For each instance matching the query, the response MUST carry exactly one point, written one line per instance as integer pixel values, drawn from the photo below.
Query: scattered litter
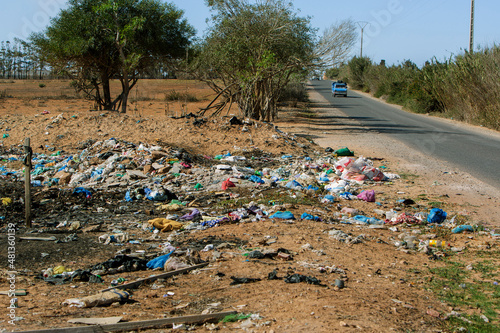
(100, 299)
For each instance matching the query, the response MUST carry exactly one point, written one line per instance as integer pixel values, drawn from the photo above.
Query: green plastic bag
(344, 152)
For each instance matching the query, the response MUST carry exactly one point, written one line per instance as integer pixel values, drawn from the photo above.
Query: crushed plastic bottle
(437, 243)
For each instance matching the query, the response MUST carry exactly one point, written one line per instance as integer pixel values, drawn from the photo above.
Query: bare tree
(334, 47)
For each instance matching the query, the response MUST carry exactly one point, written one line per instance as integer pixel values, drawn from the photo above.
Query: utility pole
(362, 25)
(471, 38)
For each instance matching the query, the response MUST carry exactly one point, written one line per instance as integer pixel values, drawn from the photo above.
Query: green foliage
(252, 51)
(332, 73)
(96, 40)
(358, 68)
(42, 85)
(470, 88)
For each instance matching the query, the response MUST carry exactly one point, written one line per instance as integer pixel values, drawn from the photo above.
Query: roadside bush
(358, 69)
(471, 88)
(466, 88)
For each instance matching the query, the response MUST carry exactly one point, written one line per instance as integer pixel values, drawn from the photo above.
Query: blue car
(339, 88)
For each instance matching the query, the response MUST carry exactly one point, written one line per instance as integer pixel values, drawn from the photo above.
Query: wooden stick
(136, 284)
(138, 325)
(17, 292)
(47, 239)
(27, 181)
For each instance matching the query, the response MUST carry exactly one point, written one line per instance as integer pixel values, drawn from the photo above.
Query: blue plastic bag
(128, 198)
(347, 195)
(306, 216)
(329, 197)
(256, 179)
(437, 215)
(367, 220)
(294, 184)
(87, 193)
(283, 215)
(158, 262)
(462, 228)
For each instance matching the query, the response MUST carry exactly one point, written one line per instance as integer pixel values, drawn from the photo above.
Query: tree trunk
(125, 91)
(107, 104)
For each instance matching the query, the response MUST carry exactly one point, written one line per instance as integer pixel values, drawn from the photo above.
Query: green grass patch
(408, 176)
(436, 204)
(452, 283)
(487, 268)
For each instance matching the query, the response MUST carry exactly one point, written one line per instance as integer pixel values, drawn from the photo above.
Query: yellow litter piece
(165, 225)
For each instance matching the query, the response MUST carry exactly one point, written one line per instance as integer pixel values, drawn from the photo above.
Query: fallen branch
(138, 325)
(136, 284)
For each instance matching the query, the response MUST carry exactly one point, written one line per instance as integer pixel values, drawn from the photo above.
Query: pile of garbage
(177, 182)
(180, 185)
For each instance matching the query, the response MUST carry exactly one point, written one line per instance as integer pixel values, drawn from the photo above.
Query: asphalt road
(472, 150)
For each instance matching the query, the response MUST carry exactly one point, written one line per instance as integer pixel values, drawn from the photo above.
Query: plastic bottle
(437, 243)
(48, 272)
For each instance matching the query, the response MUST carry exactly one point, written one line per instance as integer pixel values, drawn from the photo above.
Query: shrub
(358, 68)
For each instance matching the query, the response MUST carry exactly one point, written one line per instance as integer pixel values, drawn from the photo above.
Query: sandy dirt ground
(385, 288)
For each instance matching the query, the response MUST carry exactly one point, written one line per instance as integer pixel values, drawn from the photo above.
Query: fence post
(27, 180)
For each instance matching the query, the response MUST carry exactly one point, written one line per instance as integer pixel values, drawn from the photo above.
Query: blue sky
(397, 30)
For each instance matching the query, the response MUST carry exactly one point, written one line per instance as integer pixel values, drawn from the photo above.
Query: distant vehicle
(339, 88)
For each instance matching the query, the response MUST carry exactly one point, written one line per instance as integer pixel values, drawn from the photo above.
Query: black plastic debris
(106, 155)
(297, 278)
(273, 275)
(256, 255)
(235, 121)
(121, 263)
(237, 280)
(408, 202)
(78, 275)
(85, 276)
(199, 122)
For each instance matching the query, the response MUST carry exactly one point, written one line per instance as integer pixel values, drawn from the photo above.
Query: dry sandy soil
(385, 288)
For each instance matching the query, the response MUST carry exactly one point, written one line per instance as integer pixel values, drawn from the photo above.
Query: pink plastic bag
(368, 196)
